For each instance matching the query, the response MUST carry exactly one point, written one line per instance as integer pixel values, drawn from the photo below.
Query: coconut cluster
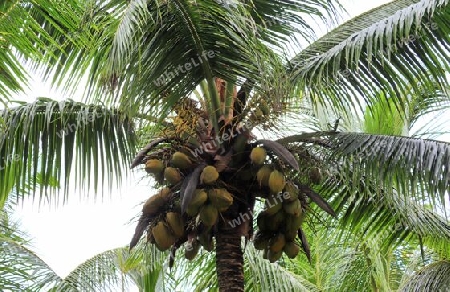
(279, 223)
(200, 192)
(168, 226)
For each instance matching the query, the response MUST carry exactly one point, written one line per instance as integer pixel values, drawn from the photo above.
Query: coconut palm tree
(143, 60)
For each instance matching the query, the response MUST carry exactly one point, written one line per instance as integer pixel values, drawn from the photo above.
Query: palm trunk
(229, 261)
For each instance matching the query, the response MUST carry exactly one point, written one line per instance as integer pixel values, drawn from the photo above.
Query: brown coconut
(153, 205)
(274, 256)
(291, 249)
(154, 166)
(277, 242)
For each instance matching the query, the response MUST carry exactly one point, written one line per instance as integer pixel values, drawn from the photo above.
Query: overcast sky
(66, 236)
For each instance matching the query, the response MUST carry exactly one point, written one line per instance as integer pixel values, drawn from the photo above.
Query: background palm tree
(112, 270)
(337, 264)
(126, 46)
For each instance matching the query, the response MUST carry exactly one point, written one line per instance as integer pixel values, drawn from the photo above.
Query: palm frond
(388, 217)
(203, 266)
(433, 277)
(117, 269)
(99, 273)
(386, 49)
(407, 176)
(28, 29)
(152, 44)
(277, 21)
(20, 268)
(346, 263)
(184, 40)
(336, 265)
(156, 52)
(12, 74)
(59, 139)
(407, 163)
(428, 103)
(273, 277)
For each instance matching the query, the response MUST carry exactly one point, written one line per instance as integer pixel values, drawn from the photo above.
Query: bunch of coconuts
(283, 214)
(166, 230)
(198, 190)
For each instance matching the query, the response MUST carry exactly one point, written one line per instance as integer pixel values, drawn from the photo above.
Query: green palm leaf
(142, 48)
(387, 49)
(117, 269)
(392, 205)
(28, 29)
(59, 139)
(20, 268)
(12, 75)
(388, 217)
(433, 277)
(409, 164)
(272, 277)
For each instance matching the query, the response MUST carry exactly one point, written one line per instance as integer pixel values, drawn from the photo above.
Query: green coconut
(276, 182)
(239, 143)
(209, 175)
(176, 223)
(258, 155)
(198, 200)
(292, 190)
(220, 198)
(209, 215)
(293, 208)
(181, 160)
(154, 166)
(273, 204)
(172, 175)
(164, 238)
(263, 175)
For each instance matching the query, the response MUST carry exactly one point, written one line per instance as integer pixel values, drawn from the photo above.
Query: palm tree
(143, 60)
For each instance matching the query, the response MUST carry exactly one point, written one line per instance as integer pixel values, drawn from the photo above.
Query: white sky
(67, 236)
